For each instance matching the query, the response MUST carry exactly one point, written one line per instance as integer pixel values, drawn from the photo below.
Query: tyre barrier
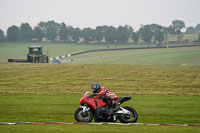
(103, 123)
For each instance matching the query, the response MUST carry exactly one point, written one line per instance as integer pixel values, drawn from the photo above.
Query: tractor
(35, 55)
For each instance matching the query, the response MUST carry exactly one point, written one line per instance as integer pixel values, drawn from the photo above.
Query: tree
(13, 33)
(190, 30)
(50, 29)
(157, 30)
(109, 33)
(198, 40)
(98, 33)
(26, 32)
(159, 36)
(75, 34)
(197, 28)
(87, 34)
(135, 37)
(193, 30)
(63, 32)
(123, 33)
(2, 37)
(178, 25)
(146, 33)
(167, 31)
(38, 33)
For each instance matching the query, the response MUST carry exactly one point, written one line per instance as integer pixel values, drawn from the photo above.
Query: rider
(107, 96)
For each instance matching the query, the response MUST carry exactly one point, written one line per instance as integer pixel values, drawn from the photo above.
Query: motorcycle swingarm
(122, 111)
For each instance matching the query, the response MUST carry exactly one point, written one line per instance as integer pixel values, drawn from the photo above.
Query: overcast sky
(92, 13)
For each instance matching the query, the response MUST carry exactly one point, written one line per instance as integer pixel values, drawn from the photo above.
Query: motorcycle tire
(125, 119)
(80, 116)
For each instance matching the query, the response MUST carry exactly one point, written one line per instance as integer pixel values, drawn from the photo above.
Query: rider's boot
(113, 107)
(111, 111)
(116, 106)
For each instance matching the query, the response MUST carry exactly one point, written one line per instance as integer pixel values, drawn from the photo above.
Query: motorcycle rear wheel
(132, 118)
(81, 116)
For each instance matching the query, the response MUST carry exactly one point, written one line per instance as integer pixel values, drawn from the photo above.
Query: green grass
(189, 56)
(76, 79)
(61, 108)
(20, 50)
(189, 37)
(164, 85)
(51, 92)
(96, 129)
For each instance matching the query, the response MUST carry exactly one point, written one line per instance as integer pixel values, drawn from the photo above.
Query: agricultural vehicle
(35, 55)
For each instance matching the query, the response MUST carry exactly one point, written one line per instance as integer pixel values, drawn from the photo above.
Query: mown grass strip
(76, 79)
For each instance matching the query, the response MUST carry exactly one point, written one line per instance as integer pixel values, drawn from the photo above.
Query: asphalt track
(103, 123)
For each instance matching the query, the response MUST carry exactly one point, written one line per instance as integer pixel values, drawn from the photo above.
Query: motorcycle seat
(124, 99)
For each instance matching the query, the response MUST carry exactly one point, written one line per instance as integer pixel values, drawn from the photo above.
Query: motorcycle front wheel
(81, 116)
(129, 118)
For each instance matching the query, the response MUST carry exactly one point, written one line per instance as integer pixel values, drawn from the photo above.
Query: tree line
(193, 30)
(53, 31)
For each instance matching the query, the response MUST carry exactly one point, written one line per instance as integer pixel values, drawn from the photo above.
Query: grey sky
(92, 13)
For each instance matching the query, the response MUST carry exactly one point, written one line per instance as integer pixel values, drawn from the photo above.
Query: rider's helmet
(96, 87)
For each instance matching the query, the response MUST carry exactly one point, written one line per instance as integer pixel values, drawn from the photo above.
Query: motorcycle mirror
(87, 92)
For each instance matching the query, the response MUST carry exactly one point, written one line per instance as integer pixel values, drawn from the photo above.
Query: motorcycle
(95, 108)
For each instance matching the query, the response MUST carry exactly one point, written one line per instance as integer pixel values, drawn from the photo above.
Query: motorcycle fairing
(95, 103)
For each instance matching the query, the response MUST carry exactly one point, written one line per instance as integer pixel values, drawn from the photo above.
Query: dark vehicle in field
(95, 108)
(35, 55)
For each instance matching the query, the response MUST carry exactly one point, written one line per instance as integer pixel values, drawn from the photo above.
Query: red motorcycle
(95, 108)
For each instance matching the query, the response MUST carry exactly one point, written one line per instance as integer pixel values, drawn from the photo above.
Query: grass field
(51, 93)
(61, 108)
(164, 85)
(170, 57)
(96, 129)
(189, 56)
(189, 37)
(19, 50)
